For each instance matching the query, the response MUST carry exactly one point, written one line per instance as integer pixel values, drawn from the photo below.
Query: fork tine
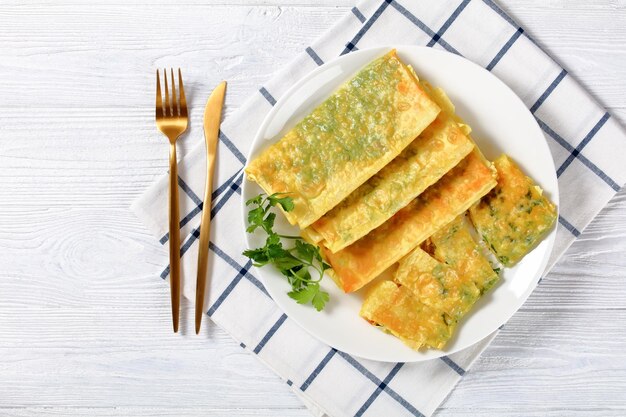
(168, 105)
(181, 91)
(159, 99)
(174, 98)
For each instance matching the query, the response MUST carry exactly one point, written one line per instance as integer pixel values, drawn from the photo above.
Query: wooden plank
(54, 55)
(179, 411)
(128, 357)
(585, 37)
(559, 360)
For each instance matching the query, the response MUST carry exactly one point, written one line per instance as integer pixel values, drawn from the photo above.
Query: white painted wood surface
(84, 319)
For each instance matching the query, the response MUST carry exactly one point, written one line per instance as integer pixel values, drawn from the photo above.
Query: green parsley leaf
(272, 239)
(276, 251)
(305, 250)
(255, 200)
(320, 299)
(285, 263)
(255, 218)
(285, 202)
(304, 295)
(268, 223)
(293, 263)
(303, 274)
(258, 256)
(310, 294)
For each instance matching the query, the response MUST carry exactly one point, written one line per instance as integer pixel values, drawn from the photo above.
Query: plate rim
(258, 137)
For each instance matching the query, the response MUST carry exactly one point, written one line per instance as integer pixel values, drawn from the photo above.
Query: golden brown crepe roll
(437, 150)
(360, 128)
(359, 263)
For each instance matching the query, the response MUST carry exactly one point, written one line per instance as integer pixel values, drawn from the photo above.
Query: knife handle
(205, 233)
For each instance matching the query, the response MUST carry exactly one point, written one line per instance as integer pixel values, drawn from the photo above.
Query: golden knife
(212, 117)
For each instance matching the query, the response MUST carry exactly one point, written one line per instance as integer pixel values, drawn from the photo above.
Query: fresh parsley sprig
(294, 263)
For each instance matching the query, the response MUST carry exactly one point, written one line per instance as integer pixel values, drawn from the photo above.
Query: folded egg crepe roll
(359, 263)
(515, 215)
(455, 246)
(437, 150)
(399, 312)
(360, 128)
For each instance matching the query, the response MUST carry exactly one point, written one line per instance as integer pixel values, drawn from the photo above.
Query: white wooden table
(84, 319)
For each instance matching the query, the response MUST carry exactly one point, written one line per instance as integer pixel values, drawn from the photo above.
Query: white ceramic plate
(500, 123)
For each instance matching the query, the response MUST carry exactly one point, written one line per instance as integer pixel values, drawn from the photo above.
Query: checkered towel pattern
(586, 143)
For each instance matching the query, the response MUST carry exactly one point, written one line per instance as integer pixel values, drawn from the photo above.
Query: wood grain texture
(82, 312)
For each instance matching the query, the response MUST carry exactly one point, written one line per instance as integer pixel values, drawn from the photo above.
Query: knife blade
(212, 117)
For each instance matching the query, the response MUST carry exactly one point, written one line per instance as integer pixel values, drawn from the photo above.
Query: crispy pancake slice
(437, 150)
(515, 215)
(360, 128)
(396, 310)
(359, 263)
(437, 284)
(455, 246)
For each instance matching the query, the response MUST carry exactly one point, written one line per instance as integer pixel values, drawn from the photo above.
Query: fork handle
(174, 218)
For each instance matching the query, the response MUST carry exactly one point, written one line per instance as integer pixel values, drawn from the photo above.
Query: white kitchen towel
(586, 142)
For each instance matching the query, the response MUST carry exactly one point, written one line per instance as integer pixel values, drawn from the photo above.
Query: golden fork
(171, 120)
